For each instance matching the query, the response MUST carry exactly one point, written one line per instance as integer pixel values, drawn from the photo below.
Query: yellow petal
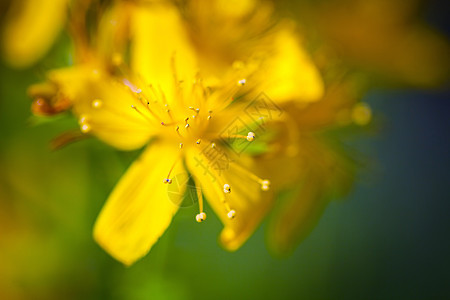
(290, 73)
(139, 209)
(324, 175)
(246, 198)
(332, 110)
(113, 32)
(386, 37)
(295, 217)
(31, 28)
(160, 48)
(113, 120)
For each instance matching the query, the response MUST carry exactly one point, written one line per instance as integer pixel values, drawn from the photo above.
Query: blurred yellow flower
(190, 105)
(383, 37)
(315, 168)
(31, 27)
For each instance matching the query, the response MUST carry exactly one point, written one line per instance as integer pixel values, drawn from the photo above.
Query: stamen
(242, 82)
(132, 87)
(226, 188)
(82, 120)
(177, 130)
(265, 183)
(199, 141)
(85, 128)
(250, 137)
(181, 145)
(197, 110)
(231, 214)
(167, 179)
(139, 112)
(144, 100)
(201, 216)
(97, 103)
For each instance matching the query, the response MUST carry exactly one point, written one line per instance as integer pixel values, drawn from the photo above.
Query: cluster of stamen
(149, 108)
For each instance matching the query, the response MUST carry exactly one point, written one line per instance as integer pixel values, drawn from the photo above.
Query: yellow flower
(188, 105)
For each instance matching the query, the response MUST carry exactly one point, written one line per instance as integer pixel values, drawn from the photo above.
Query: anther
(250, 136)
(231, 214)
(186, 126)
(97, 103)
(167, 180)
(82, 120)
(265, 185)
(198, 141)
(200, 217)
(85, 128)
(181, 145)
(213, 145)
(242, 82)
(226, 188)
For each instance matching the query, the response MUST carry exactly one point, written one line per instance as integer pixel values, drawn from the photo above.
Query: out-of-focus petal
(139, 209)
(31, 28)
(246, 198)
(387, 38)
(324, 175)
(105, 107)
(113, 33)
(161, 52)
(290, 74)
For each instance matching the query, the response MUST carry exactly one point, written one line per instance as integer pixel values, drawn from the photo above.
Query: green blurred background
(388, 240)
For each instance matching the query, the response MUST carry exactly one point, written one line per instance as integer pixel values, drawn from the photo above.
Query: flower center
(188, 121)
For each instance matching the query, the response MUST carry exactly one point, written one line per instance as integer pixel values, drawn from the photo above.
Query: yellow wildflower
(188, 105)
